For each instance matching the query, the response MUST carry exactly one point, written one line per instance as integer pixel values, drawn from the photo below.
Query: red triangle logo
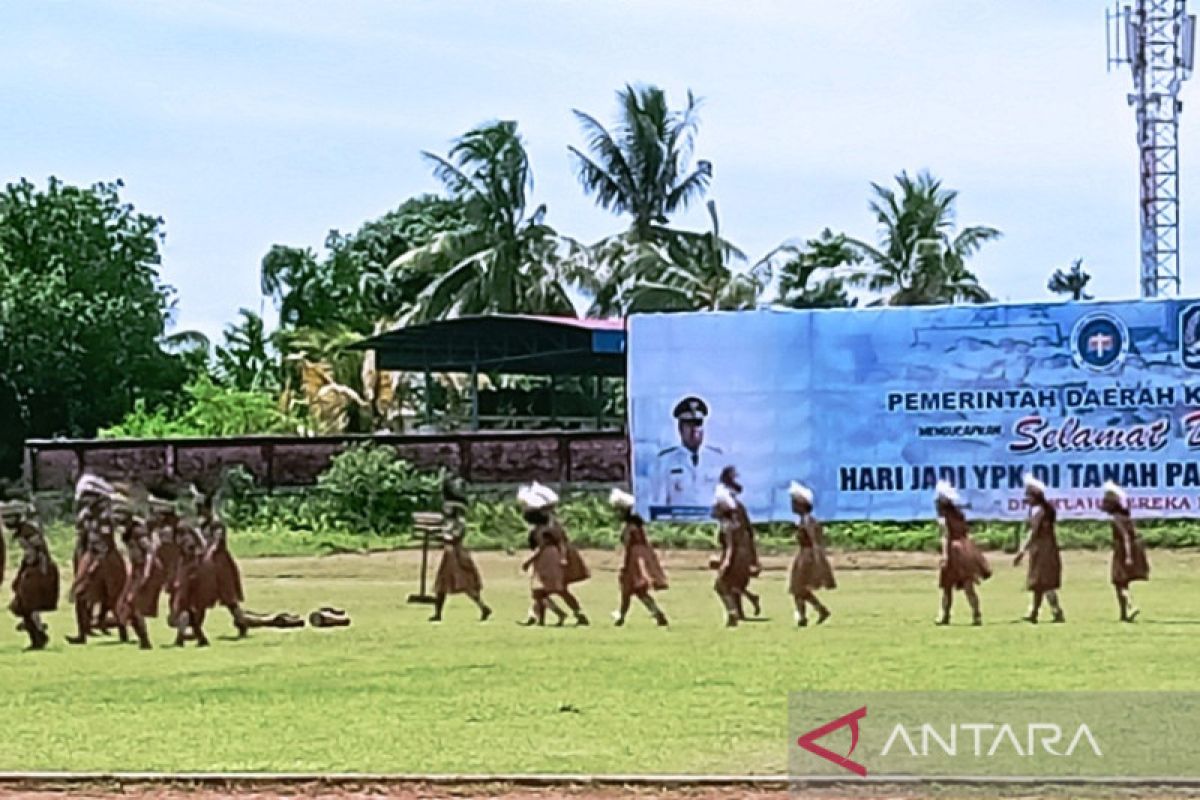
(809, 741)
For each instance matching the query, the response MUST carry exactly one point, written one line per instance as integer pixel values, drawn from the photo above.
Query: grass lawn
(396, 694)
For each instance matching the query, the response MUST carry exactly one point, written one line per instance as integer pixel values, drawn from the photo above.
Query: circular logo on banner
(1099, 341)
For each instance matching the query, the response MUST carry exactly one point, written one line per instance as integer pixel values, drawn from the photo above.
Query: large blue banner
(872, 407)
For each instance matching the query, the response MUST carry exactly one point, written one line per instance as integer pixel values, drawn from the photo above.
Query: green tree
(294, 279)
(1073, 281)
(921, 258)
(246, 359)
(696, 272)
(208, 409)
(387, 294)
(640, 167)
(507, 259)
(83, 313)
(351, 285)
(193, 349)
(802, 266)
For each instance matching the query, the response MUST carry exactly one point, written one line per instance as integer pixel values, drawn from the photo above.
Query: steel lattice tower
(1155, 38)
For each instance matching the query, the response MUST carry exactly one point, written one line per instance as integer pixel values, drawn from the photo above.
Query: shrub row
(365, 501)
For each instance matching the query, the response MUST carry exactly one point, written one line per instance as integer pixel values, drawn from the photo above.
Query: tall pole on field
(1155, 38)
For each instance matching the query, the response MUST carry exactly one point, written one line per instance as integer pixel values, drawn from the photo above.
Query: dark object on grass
(329, 617)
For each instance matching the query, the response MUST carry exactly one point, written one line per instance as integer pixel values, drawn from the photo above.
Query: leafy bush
(370, 488)
(208, 410)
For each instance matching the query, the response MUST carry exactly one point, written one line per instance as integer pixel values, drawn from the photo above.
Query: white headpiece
(724, 497)
(945, 491)
(1034, 484)
(1115, 491)
(524, 498)
(801, 492)
(91, 484)
(535, 497)
(547, 495)
(622, 501)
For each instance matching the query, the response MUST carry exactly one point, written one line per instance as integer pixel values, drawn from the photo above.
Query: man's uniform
(685, 477)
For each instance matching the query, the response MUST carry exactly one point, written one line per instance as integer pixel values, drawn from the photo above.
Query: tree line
(85, 318)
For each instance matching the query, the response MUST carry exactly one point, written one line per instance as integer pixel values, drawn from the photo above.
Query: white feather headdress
(92, 484)
(1034, 484)
(535, 497)
(1111, 489)
(945, 491)
(524, 499)
(800, 492)
(547, 495)
(622, 501)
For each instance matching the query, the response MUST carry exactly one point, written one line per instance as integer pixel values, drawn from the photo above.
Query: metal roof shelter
(507, 345)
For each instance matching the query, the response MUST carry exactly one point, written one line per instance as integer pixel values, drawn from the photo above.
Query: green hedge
(496, 524)
(302, 524)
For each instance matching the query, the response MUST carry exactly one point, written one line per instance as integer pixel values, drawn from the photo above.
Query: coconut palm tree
(1073, 281)
(641, 167)
(921, 259)
(192, 348)
(245, 360)
(695, 272)
(506, 259)
(798, 267)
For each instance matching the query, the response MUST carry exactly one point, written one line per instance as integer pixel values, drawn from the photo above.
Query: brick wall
(281, 461)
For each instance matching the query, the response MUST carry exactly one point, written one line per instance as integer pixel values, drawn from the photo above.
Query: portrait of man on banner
(686, 473)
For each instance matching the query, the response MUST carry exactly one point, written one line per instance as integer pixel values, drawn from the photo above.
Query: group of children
(963, 566)
(177, 545)
(180, 547)
(555, 564)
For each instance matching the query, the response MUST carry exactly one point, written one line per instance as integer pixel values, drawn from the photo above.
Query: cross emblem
(1100, 344)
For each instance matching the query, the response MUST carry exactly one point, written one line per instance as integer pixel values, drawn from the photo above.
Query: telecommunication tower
(1155, 38)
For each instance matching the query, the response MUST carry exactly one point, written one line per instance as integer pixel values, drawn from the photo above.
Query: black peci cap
(691, 408)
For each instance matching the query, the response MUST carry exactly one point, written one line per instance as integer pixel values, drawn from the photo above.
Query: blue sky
(246, 123)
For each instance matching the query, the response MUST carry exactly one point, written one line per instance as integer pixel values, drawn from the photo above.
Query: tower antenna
(1155, 38)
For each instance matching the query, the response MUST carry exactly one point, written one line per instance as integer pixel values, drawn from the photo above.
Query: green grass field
(396, 694)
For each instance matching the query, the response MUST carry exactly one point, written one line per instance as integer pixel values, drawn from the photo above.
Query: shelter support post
(428, 397)
(474, 397)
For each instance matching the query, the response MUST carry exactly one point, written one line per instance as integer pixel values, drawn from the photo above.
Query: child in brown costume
(1129, 562)
(640, 573)
(1044, 576)
(457, 573)
(962, 564)
(101, 572)
(555, 564)
(810, 568)
(195, 588)
(225, 569)
(91, 493)
(738, 560)
(547, 604)
(162, 522)
(35, 587)
(140, 599)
